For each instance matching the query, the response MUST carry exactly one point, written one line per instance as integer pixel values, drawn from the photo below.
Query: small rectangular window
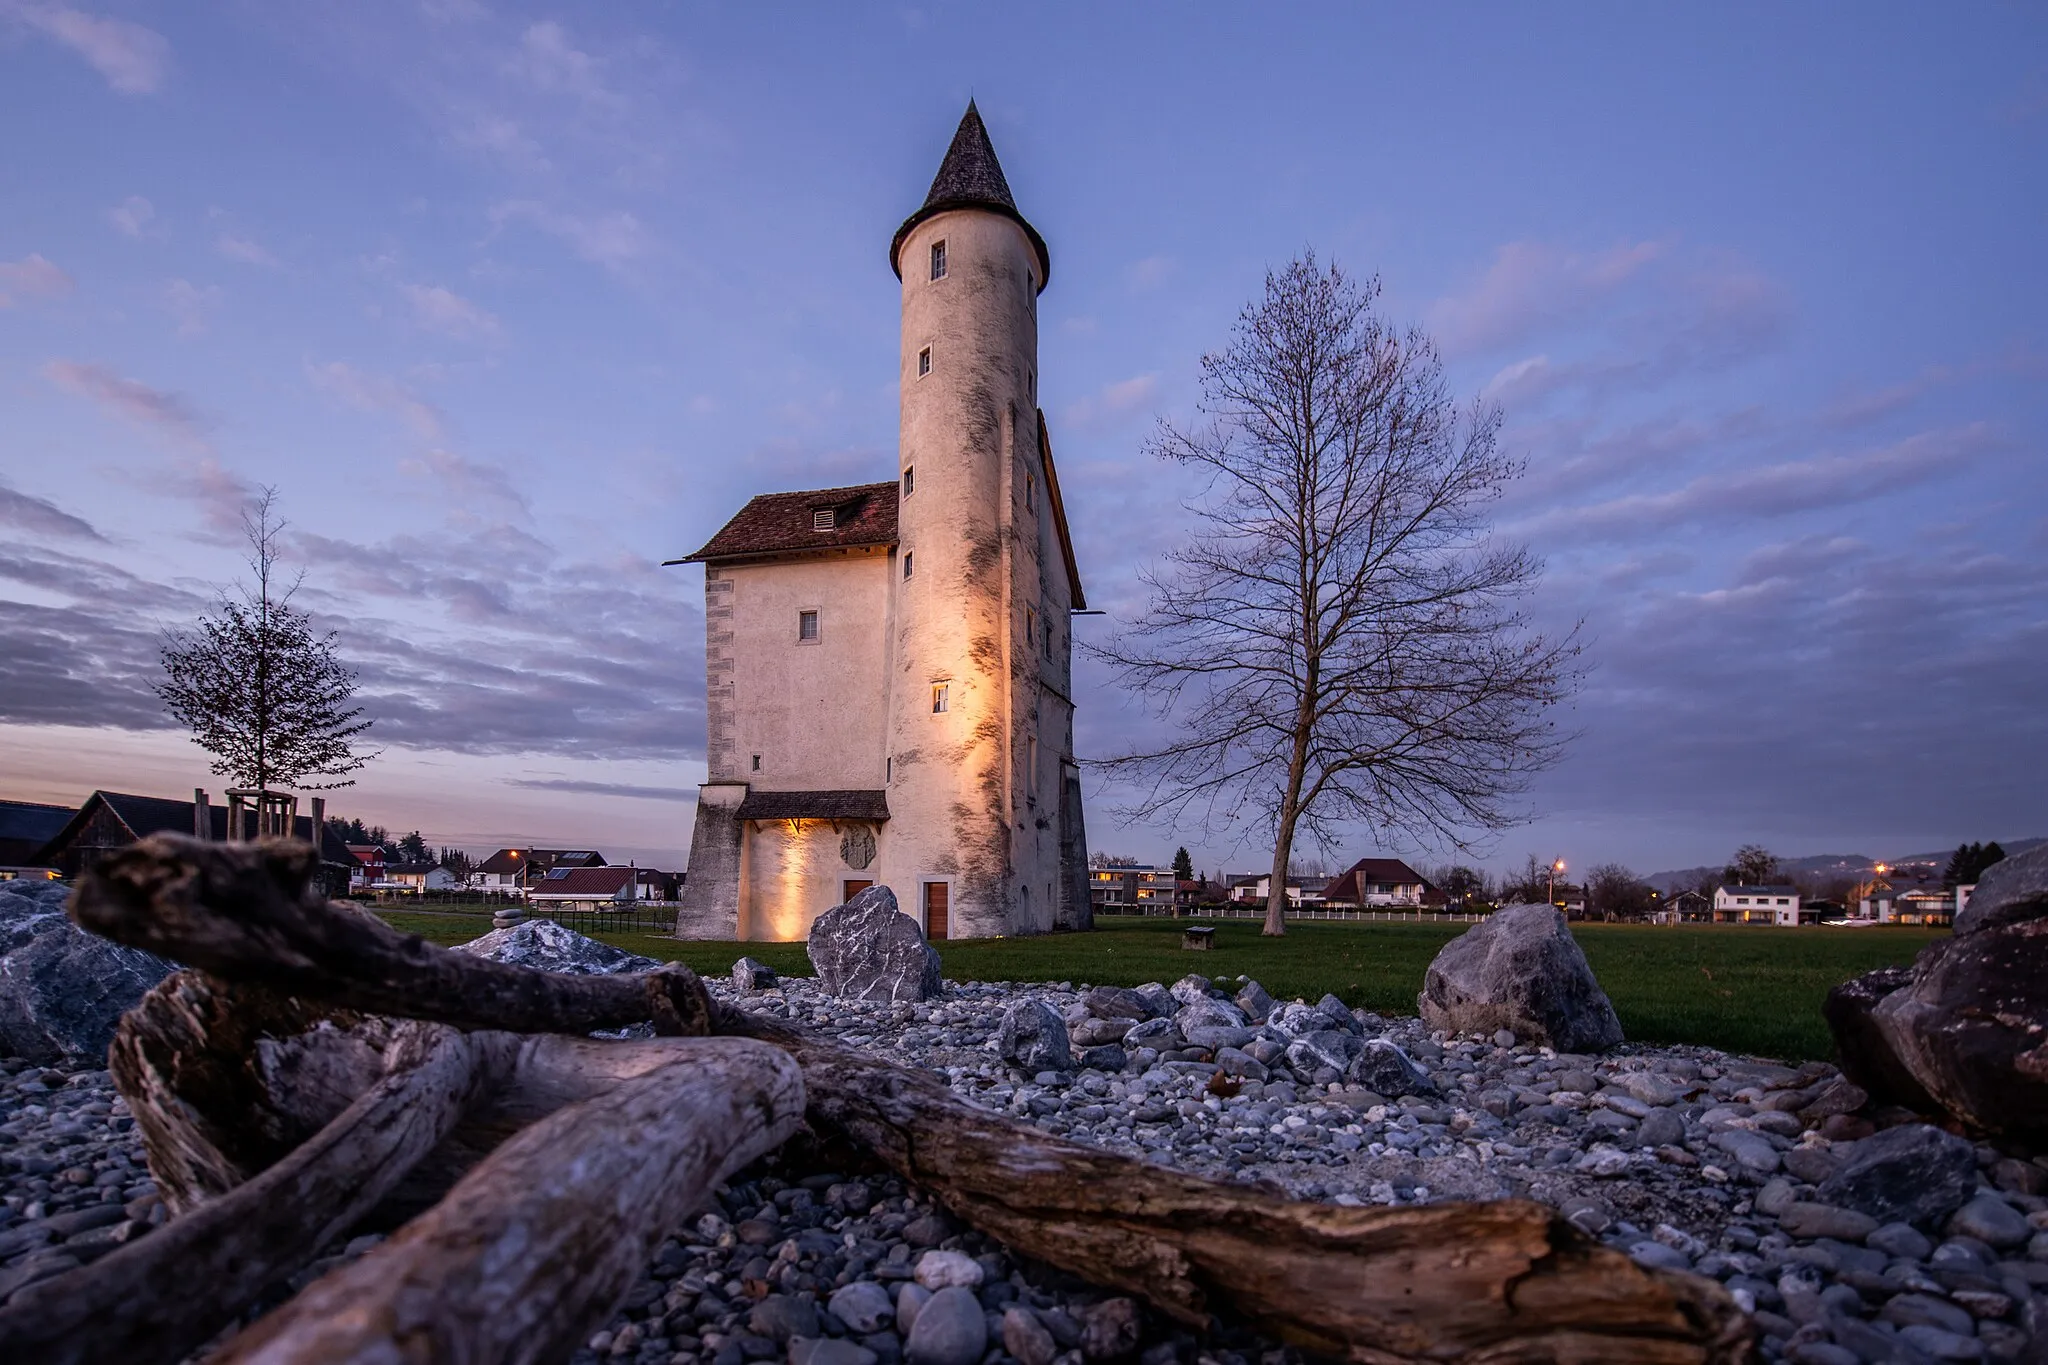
(939, 698)
(938, 260)
(1031, 489)
(807, 626)
(822, 520)
(909, 482)
(1048, 637)
(924, 362)
(757, 763)
(1030, 623)
(906, 563)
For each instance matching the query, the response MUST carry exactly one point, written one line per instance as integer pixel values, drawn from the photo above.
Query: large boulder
(2009, 892)
(867, 949)
(1914, 1173)
(63, 990)
(1521, 970)
(546, 946)
(1867, 1058)
(1033, 1038)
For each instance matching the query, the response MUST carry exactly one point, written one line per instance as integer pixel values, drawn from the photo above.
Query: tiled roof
(775, 523)
(971, 178)
(581, 882)
(537, 861)
(826, 805)
(1351, 883)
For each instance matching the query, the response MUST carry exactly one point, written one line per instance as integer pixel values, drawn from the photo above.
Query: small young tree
(258, 687)
(1341, 640)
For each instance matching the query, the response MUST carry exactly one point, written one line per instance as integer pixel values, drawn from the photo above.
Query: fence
(649, 916)
(1304, 912)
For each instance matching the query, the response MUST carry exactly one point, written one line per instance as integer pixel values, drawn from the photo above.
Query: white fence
(1305, 912)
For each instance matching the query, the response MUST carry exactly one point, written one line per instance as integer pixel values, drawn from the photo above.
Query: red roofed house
(889, 695)
(584, 885)
(1382, 882)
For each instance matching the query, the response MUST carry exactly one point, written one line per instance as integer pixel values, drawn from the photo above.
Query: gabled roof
(583, 881)
(1059, 515)
(419, 869)
(971, 178)
(1351, 883)
(778, 523)
(25, 826)
(143, 816)
(1761, 890)
(824, 805)
(537, 861)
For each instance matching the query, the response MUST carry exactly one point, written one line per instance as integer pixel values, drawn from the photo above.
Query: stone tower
(888, 681)
(980, 716)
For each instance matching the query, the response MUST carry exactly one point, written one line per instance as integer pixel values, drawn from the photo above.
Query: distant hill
(1831, 864)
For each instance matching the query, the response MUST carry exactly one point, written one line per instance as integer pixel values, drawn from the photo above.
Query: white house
(1254, 889)
(1757, 905)
(416, 877)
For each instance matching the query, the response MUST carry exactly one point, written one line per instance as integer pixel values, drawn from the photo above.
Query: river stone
(1255, 1002)
(1157, 998)
(546, 946)
(1519, 969)
(2009, 892)
(863, 1306)
(1386, 1070)
(867, 949)
(1971, 1028)
(1025, 1337)
(1117, 1002)
(749, 975)
(1207, 1014)
(1190, 989)
(1339, 1014)
(1991, 1221)
(1033, 1038)
(1095, 1031)
(63, 991)
(948, 1330)
(1914, 1174)
(1867, 1059)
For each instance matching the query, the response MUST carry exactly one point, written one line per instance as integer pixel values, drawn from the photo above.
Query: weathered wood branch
(1493, 1282)
(534, 1247)
(158, 1298)
(249, 913)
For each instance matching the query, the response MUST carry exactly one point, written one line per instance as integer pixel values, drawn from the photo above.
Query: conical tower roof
(971, 178)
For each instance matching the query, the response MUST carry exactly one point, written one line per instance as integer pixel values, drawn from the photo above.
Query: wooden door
(935, 910)
(852, 887)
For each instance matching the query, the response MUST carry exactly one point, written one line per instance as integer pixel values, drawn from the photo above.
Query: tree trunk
(535, 1247)
(159, 1298)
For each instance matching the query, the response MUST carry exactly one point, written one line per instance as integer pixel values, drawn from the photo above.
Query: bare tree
(1753, 865)
(1341, 640)
(258, 687)
(1614, 892)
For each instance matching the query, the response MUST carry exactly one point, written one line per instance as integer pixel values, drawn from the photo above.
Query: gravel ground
(1682, 1157)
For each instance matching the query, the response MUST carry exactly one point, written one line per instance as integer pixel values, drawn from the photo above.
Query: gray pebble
(949, 1330)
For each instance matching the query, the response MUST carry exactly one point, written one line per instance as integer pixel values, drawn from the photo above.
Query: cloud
(1112, 401)
(31, 277)
(166, 413)
(1149, 273)
(243, 249)
(1750, 494)
(379, 393)
(223, 497)
(564, 784)
(548, 61)
(30, 513)
(134, 60)
(1534, 286)
(612, 240)
(132, 216)
(469, 480)
(498, 136)
(191, 304)
(443, 311)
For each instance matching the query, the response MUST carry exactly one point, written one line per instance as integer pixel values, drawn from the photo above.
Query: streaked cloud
(1123, 398)
(167, 413)
(26, 512)
(438, 309)
(133, 60)
(34, 276)
(1531, 286)
(627, 789)
(193, 305)
(246, 250)
(132, 216)
(613, 240)
(379, 393)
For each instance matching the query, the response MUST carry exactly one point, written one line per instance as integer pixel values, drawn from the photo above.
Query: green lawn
(1748, 989)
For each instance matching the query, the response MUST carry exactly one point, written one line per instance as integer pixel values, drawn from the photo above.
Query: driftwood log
(1496, 1282)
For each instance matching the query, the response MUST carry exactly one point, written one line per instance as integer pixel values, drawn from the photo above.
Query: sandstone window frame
(939, 260)
(942, 698)
(810, 626)
(924, 362)
(909, 479)
(909, 562)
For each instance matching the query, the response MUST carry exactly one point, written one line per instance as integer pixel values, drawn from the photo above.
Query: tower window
(909, 482)
(940, 699)
(823, 519)
(757, 763)
(1030, 623)
(924, 362)
(938, 260)
(1031, 488)
(807, 627)
(906, 563)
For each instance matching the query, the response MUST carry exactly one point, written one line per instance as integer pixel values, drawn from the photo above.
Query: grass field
(1748, 989)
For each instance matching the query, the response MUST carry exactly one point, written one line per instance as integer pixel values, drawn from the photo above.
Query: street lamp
(1555, 867)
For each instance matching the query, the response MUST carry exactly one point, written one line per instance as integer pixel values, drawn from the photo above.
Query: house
(1920, 905)
(109, 821)
(511, 870)
(1760, 905)
(1382, 883)
(25, 827)
(1684, 907)
(370, 866)
(568, 887)
(1255, 888)
(1142, 886)
(417, 878)
(888, 666)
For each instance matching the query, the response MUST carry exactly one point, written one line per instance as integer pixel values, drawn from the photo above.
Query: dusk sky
(513, 303)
